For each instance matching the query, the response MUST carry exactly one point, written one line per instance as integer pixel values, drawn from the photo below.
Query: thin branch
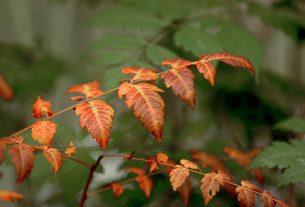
(89, 179)
(78, 161)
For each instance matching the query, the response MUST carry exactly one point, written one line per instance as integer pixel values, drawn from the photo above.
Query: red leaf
(43, 132)
(210, 184)
(161, 157)
(23, 159)
(145, 183)
(233, 60)
(268, 199)
(5, 89)
(54, 158)
(42, 108)
(140, 74)
(178, 176)
(147, 105)
(90, 90)
(12, 140)
(154, 165)
(70, 150)
(9, 195)
(117, 189)
(182, 82)
(96, 117)
(246, 194)
(185, 191)
(208, 70)
(189, 164)
(136, 170)
(2, 152)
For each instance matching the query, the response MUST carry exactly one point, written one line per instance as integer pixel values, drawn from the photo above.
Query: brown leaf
(145, 183)
(178, 176)
(140, 74)
(161, 157)
(210, 184)
(43, 132)
(117, 189)
(70, 150)
(23, 159)
(189, 164)
(233, 60)
(2, 152)
(181, 79)
(9, 195)
(90, 90)
(208, 70)
(42, 108)
(96, 117)
(268, 199)
(246, 194)
(54, 158)
(147, 105)
(12, 140)
(6, 90)
(208, 160)
(136, 170)
(185, 191)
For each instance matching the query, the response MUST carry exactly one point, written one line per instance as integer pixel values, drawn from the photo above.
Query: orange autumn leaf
(210, 184)
(89, 90)
(6, 90)
(178, 176)
(189, 164)
(9, 195)
(145, 183)
(136, 170)
(208, 160)
(268, 199)
(42, 108)
(185, 191)
(147, 105)
(117, 189)
(233, 60)
(161, 157)
(23, 159)
(12, 140)
(208, 71)
(70, 150)
(2, 152)
(154, 165)
(176, 62)
(140, 74)
(96, 117)
(246, 194)
(43, 132)
(181, 79)
(54, 158)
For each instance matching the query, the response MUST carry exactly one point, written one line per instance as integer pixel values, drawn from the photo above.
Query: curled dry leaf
(117, 189)
(154, 165)
(43, 132)
(6, 90)
(89, 90)
(136, 170)
(189, 164)
(12, 140)
(161, 157)
(42, 108)
(96, 117)
(70, 150)
(23, 159)
(147, 105)
(140, 74)
(181, 79)
(246, 193)
(185, 191)
(9, 195)
(54, 158)
(178, 176)
(210, 184)
(145, 183)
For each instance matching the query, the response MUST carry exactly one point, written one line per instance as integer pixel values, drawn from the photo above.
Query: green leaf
(111, 58)
(295, 173)
(158, 53)
(238, 41)
(280, 154)
(197, 41)
(128, 18)
(294, 124)
(119, 42)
